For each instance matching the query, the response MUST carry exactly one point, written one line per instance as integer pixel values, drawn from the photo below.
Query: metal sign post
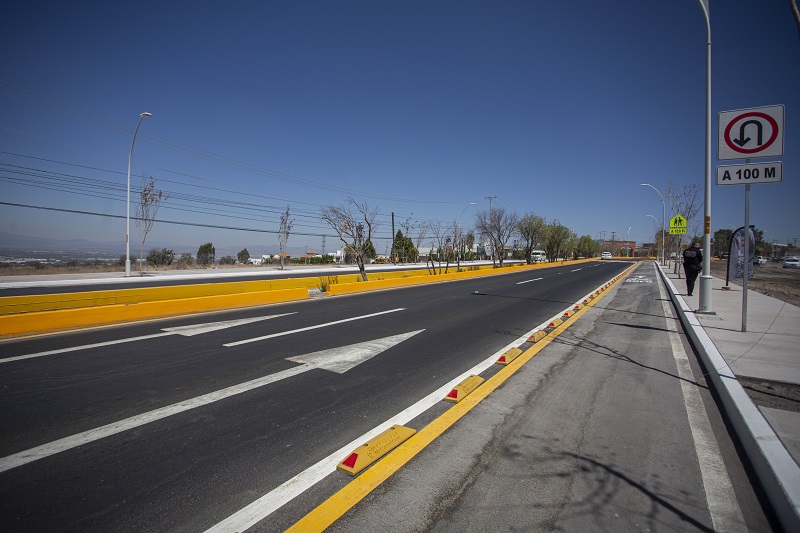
(745, 134)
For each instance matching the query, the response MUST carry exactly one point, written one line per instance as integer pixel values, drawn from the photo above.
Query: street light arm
(663, 221)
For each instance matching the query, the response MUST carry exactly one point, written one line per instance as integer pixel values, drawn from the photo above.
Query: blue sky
(556, 108)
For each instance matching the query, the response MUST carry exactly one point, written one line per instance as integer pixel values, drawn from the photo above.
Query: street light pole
(663, 220)
(128, 203)
(629, 240)
(457, 232)
(705, 276)
(657, 223)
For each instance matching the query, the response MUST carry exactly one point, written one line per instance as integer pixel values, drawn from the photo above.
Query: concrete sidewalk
(768, 350)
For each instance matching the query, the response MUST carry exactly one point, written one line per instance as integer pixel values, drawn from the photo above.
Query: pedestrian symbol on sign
(677, 225)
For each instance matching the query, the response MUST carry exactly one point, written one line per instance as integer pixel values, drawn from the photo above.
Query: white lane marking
(309, 328)
(722, 504)
(338, 360)
(84, 347)
(529, 280)
(294, 487)
(576, 270)
(186, 331)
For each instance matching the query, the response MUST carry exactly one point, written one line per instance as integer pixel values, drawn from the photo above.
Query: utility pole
(393, 250)
(490, 205)
(490, 223)
(323, 245)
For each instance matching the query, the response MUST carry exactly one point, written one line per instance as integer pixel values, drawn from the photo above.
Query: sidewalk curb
(778, 473)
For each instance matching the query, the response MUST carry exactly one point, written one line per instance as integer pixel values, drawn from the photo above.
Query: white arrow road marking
(528, 281)
(186, 331)
(326, 324)
(338, 360)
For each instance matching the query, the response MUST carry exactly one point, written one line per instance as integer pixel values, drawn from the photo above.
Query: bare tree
(442, 241)
(355, 222)
(685, 201)
(497, 226)
(283, 233)
(149, 201)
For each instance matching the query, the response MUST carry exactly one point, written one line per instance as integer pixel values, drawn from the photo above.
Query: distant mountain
(23, 242)
(11, 241)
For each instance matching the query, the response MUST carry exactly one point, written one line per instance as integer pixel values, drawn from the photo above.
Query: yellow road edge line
(348, 496)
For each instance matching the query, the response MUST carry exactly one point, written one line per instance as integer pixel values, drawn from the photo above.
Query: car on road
(761, 260)
(791, 261)
(606, 255)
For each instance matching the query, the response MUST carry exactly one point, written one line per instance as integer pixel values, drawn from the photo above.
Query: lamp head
(145, 114)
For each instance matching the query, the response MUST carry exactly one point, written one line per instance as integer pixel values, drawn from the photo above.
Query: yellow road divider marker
(371, 451)
(509, 356)
(539, 335)
(555, 323)
(463, 389)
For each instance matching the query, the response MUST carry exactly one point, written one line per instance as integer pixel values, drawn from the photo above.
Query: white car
(791, 261)
(606, 255)
(761, 260)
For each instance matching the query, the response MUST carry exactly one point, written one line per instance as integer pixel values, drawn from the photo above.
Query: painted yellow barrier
(336, 289)
(25, 323)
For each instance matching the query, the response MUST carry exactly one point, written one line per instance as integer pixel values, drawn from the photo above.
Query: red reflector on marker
(350, 462)
(502, 359)
(453, 394)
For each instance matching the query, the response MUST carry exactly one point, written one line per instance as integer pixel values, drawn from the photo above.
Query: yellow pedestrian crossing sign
(677, 225)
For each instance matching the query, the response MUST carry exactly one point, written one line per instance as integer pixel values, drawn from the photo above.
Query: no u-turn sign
(751, 133)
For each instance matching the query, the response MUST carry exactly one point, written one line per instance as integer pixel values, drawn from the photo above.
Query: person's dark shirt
(692, 256)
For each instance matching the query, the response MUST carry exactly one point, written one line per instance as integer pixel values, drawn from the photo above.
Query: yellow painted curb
(25, 323)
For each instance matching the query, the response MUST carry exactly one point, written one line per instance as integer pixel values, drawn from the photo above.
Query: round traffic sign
(741, 142)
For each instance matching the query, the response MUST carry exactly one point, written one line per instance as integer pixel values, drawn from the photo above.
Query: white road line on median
(309, 328)
(79, 439)
(720, 497)
(528, 281)
(575, 270)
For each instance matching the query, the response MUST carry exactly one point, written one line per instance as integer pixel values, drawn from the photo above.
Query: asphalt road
(611, 427)
(125, 428)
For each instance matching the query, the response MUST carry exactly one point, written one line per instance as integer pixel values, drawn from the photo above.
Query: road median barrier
(63, 319)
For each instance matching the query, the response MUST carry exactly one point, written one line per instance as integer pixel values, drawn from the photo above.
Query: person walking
(692, 265)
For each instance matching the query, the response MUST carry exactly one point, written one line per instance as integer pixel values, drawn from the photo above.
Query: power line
(93, 119)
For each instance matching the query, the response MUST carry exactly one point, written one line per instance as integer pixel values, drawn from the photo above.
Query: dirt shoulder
(770, 279)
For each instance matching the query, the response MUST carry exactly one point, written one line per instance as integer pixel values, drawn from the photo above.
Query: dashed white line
(528, 281)
(309, 328)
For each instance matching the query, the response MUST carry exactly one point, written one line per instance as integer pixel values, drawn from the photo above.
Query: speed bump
(371, 451)
(461, 390)
(509, 356)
